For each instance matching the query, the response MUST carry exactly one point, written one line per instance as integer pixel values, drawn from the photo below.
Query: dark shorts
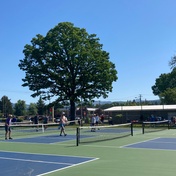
(62, 125)
(7, 128)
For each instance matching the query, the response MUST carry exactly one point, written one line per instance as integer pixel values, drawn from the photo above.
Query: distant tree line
(20, 108)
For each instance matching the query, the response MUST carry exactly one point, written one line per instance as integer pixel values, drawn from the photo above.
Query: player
(7, 127)
(63, 121)
(97, 118)
(36, 121)
(93, 122)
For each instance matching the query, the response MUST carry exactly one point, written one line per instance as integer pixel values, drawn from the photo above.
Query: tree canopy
(67, 63)
(32, 109)
(165, 87)
(172, 62)
(41, 106)
(169, 96)
(20, 108)
(6, 106)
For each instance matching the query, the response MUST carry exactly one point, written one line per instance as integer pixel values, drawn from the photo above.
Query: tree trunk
(72, 110)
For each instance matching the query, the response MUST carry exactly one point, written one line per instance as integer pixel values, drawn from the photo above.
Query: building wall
(126, 116)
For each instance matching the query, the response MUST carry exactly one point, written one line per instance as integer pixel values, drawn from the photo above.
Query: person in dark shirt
(7, 127)
(45, 121)
(36, 121)
(102, 118)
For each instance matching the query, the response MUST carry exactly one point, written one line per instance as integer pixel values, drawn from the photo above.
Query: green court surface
(113, 158)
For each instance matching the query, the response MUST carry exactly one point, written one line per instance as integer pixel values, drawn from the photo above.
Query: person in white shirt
(93, 122)
(97, 120)
(63, 121)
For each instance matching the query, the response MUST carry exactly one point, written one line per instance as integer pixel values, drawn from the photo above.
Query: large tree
(163, 86)
(41, 106)
(6, 106)
(32, 109)
(172, 62)
(20, 108)
(67, 63)
(169, 96)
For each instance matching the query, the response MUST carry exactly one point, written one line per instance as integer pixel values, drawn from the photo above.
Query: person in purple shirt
(7, 127)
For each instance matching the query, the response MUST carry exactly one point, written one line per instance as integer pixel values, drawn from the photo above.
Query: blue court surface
(44, 139)
(18, 164)
(155, 144)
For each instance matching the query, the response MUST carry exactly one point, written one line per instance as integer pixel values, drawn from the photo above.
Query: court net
(148, 127)
(89, 134)
(19, 130)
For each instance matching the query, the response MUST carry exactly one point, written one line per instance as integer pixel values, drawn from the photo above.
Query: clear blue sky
(140, 36)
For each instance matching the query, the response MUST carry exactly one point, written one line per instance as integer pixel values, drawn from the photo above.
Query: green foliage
(68, 63)
(32, 109)
(169, 96)
(119, 116)
(20, 108)
(20, 119)
(161, 84)
(164, 85)
(164, 82)
(87, 120)
(6, 105)
(2, 120)
(172, 63)
(41, 106)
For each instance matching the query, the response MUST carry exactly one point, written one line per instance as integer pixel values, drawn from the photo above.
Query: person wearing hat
(63, 121)
(7, 127)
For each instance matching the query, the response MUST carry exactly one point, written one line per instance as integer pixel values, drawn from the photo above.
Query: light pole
(140, 96)
(140, 103)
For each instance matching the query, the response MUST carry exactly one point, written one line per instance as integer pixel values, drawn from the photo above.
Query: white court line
(44, 154)
(100, 146)
(139, 142)
(159, 142)
(34, 161)
(68, 164)
(117, 147)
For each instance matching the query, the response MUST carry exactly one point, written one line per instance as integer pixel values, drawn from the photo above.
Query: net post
(131, 128)
(143, 127)
(77, 136)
